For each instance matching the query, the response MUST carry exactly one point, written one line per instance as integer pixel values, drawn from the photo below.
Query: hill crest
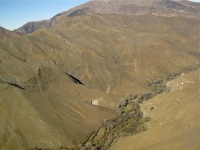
(167, 8)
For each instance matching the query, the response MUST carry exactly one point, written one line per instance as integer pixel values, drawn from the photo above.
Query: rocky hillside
(60, 86)
(31, 26)
(167, 8)
(50, 78)
(175, 122)
(127, 54)
(4, 33)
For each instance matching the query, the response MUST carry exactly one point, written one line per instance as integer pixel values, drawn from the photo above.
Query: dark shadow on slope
(76, 13)
(75, 80)
(16, 86)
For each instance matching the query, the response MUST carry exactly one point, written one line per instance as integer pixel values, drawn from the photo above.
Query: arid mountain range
(87, 80)
(166, 8)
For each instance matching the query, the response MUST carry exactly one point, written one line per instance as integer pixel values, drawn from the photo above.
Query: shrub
(110, 125)
(106, 120)
(89, 101)
(134, 96)
(147, 95)
(144, 96)
(140, 114)
(125, 116)
(119, 111)
(123, 102)
(132, 114)
(107, 130)
(156, 82)
(141, 96)
(119, 120)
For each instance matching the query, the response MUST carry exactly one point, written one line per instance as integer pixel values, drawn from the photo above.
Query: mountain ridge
(156, 7)
(4, 33)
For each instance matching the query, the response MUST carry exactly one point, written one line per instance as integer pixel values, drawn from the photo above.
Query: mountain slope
(31, 26)
(45, 108)
(175, 122)
(31, 120)
(7, 34)
(121, 56)
(126, 7)
(53, 75)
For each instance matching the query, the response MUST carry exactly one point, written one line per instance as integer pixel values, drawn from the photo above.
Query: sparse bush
(106, 120)
(119, 111)
(107, 130)
(144, 96)
(141, 96)
(140, 114)
(132, 114)
(110, 125)
(147, 95)
(135, 107)
(158, 90)
(156, 82)
(125, 116)
(134, 96)
(138, 106)
(123, 102)
(89, 101)
(119, 120)
(152, 108)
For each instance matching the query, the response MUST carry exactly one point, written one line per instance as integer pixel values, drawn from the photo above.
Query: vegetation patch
(128, 122)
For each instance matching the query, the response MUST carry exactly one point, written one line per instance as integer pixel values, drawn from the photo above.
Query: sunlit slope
(175, 118)
(46, 76)
(136, 43)
(107, 52)
(43, 107)
(39, 120)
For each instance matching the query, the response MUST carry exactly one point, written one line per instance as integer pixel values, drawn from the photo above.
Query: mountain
(49, 78)
(175, 122)
(4, 33)
(106, 65)
(31, 119)
(31, 26)
(125, 7)
(85, 80)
